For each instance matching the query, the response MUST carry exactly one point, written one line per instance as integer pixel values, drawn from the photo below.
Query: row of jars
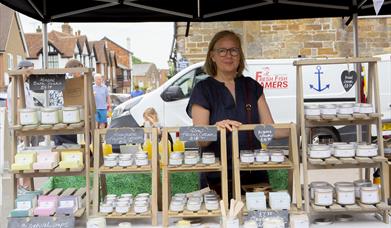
(249, 156)
(333, 109)
(343, 150)
(124, 160)
(191, 158)
(194, 202)
(123, 203)
(51, 115)
(345, 193)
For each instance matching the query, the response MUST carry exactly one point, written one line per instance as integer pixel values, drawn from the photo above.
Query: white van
(278, 76)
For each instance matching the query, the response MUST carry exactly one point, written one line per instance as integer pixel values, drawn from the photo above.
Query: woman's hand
(228, 124)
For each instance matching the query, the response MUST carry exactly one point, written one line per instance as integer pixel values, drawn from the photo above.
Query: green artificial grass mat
(138, 183)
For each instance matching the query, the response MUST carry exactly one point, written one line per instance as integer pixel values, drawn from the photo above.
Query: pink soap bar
(46, 205)
(43, 165)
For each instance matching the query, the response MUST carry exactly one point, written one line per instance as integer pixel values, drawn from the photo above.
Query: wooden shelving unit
(100, 169)
(219, 166)
(290, 163)
(307, 122)
(85, 127)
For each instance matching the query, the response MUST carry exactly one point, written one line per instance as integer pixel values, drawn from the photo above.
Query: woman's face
(226, 55)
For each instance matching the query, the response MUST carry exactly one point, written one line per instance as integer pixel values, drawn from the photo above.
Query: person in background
(227, 99)
(56, 99)
(102, 101)
(136, 92)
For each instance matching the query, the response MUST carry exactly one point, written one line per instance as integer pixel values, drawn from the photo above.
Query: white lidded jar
(316, 184)
(191, 157)
(193, 205)
(177, 205)
(346, 109)
(141, 158)
(345, 194)
(71, 114)
(110, 161)
(328, 109)
(140, 206)
(247, 156)
(106, 207)
(212, 204)
(81, 111)
(366, 108)
(365, 150)
(29, 116)
(311, 110)
(50, 115)
(208, 158)
(176, 158)
(370, 194)
(262, 156)
(122, 207)
(319, 151)
(323, 196)
(358, 184)
(344, 150)
(277, 156)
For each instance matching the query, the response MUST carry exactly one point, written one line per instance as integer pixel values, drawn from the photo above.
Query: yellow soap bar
(70, 164)
(25, 158)
(18, 167)
(72, 156)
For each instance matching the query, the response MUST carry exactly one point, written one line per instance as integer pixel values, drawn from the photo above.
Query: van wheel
(324, 135)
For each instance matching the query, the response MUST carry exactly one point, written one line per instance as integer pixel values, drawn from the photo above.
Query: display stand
(308, 122)
(219, 166)
(84, 127)
(100, 169)
(290, 163)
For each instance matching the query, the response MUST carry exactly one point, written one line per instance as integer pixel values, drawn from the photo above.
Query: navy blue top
(214, 96)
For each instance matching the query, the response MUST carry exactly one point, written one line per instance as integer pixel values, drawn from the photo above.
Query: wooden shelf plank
(62, 131)
(335, 162)
(334, 61)
(358, 207)
(287, 164)
(57, 171)
(129, 169)
(316, 121)
(200, 167)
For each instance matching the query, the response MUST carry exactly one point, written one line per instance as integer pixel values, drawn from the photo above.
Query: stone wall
(320, 37)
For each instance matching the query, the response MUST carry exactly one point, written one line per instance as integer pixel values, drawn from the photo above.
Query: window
(188, 81)
(10, 61)
(53, 57)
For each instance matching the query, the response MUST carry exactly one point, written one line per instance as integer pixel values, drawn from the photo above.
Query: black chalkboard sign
(47, 82)
(264, 133)
(124, 136)
(198, 133)
(259, 216)
(42, 222)
(348, 79)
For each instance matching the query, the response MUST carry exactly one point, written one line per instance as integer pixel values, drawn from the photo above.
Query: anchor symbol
(319, 89)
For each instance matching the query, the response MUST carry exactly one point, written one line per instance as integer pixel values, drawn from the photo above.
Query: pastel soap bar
(24, 161)
(67, 205)
(255, 201)
(46, 205)
(279, 200)
(71, 160)
(21, 213)
(46, 160)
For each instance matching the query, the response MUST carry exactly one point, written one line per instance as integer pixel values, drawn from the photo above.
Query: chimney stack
(66, 28)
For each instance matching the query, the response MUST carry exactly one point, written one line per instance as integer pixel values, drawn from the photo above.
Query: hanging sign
(198, 133)
(47, 82)
(348, 79)
(125, 136)
(264, 133)
(261, 215)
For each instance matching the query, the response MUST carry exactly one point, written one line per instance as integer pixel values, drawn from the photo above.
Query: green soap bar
(21, 213)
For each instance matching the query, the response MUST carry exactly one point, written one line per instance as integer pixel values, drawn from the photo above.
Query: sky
(150, 42)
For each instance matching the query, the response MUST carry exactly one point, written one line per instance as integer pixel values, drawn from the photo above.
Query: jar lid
(319, 183)
(208, 155)
(344, 147)
(127, 195)
(177, 202)
(345, 188)
(337, 184)
(319, 147)
(362, 182)
(370, 188)
(367, 146)
(323, 189)
(346, 105)
(140, 203)
(278, 153)
(176, 155)
(312, 106)
(27, 110)
(328, 106)
(70, 108)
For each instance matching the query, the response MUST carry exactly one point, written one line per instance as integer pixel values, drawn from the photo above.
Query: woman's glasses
(223, 51)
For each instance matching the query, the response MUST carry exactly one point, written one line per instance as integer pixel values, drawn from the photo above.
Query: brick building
(318, 37)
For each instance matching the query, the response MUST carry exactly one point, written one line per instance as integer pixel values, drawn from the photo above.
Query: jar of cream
(323, 196)
(50, 115)
(277, 156)
(29, 116)
(358, 184)
(208, 158)
(247, 156)
(262, 156)
(345, 194)
(370, 194)
(140, 206)
(191, 157)
(141, 158)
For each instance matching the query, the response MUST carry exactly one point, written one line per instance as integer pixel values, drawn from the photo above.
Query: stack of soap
(71, 160)
(46, 160)
(67, 205)
(255, 201)
(24, 205)
(46, 206)
(24, 161)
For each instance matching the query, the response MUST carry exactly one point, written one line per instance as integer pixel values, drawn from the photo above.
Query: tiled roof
(6, 15)
(100, 51)
(65, 43)
(83, 40)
